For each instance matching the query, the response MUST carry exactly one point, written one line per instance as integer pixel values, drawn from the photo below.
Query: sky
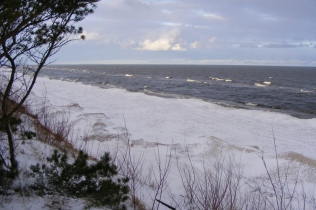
(229, 32)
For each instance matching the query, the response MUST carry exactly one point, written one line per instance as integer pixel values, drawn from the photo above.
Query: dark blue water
(290, 90)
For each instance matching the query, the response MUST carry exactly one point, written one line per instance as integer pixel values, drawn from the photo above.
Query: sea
(289, 90)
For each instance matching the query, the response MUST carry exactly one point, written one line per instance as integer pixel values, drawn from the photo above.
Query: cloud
(177, 47)
(211, 16)
(227, 29)
(156, 45)
(249, 45)
(212, 40)
(280, 45)
(214, 16)
(203, 44)
(286, 45)
(166, 41)
(126, 43)
(195, 45)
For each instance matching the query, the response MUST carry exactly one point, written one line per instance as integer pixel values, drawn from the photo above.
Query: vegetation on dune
(94, 182)
(31, 31)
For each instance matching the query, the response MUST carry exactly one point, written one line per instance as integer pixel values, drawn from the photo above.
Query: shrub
(99, 182)
(28, 134)
(14, 122)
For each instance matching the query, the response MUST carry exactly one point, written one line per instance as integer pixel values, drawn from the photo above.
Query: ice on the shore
(202, 127)
(184, 120)
(177, 120)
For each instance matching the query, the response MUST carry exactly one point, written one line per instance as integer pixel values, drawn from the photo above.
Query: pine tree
(98, 182)
(31, 31)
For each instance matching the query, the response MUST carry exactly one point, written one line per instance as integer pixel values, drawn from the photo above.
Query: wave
(149, 91)
(217, 79)
(163, 95)
(85, 71)
(251, 104)
(220, 79)
(306, 91)
(260, 85)
(192, 80)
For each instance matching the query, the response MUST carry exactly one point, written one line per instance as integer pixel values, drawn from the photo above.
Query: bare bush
(160, 180)
(53, 128)
(216, 186)
(278, 189)
(133, 169)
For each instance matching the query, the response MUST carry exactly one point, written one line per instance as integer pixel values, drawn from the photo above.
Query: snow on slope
(204, 128)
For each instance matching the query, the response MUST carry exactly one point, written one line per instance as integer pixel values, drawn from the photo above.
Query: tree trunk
(13, 162)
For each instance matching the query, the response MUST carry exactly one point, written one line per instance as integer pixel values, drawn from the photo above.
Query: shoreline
(183, 119)
(182, 132)
(223, 103)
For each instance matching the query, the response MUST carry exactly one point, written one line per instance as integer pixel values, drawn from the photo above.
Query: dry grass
(293, 156)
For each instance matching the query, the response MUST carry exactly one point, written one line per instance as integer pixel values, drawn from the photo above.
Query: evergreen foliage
(14, 122)
(98, 182)
(31, 32)
(28, 134)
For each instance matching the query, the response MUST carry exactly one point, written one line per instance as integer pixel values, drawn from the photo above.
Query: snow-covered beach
(157, 125)
(170, 121)
(203, 127)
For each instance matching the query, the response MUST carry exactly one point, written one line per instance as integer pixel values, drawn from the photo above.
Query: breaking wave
(260, 85)
(192, 80)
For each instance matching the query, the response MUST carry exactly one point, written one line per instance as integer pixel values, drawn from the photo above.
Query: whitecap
(267, 83)
(251, 104)
(306, 91)
(217, 79)
(191, 80)
(228, 80)
(168, 77)
(129, 75)
(259, 85)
